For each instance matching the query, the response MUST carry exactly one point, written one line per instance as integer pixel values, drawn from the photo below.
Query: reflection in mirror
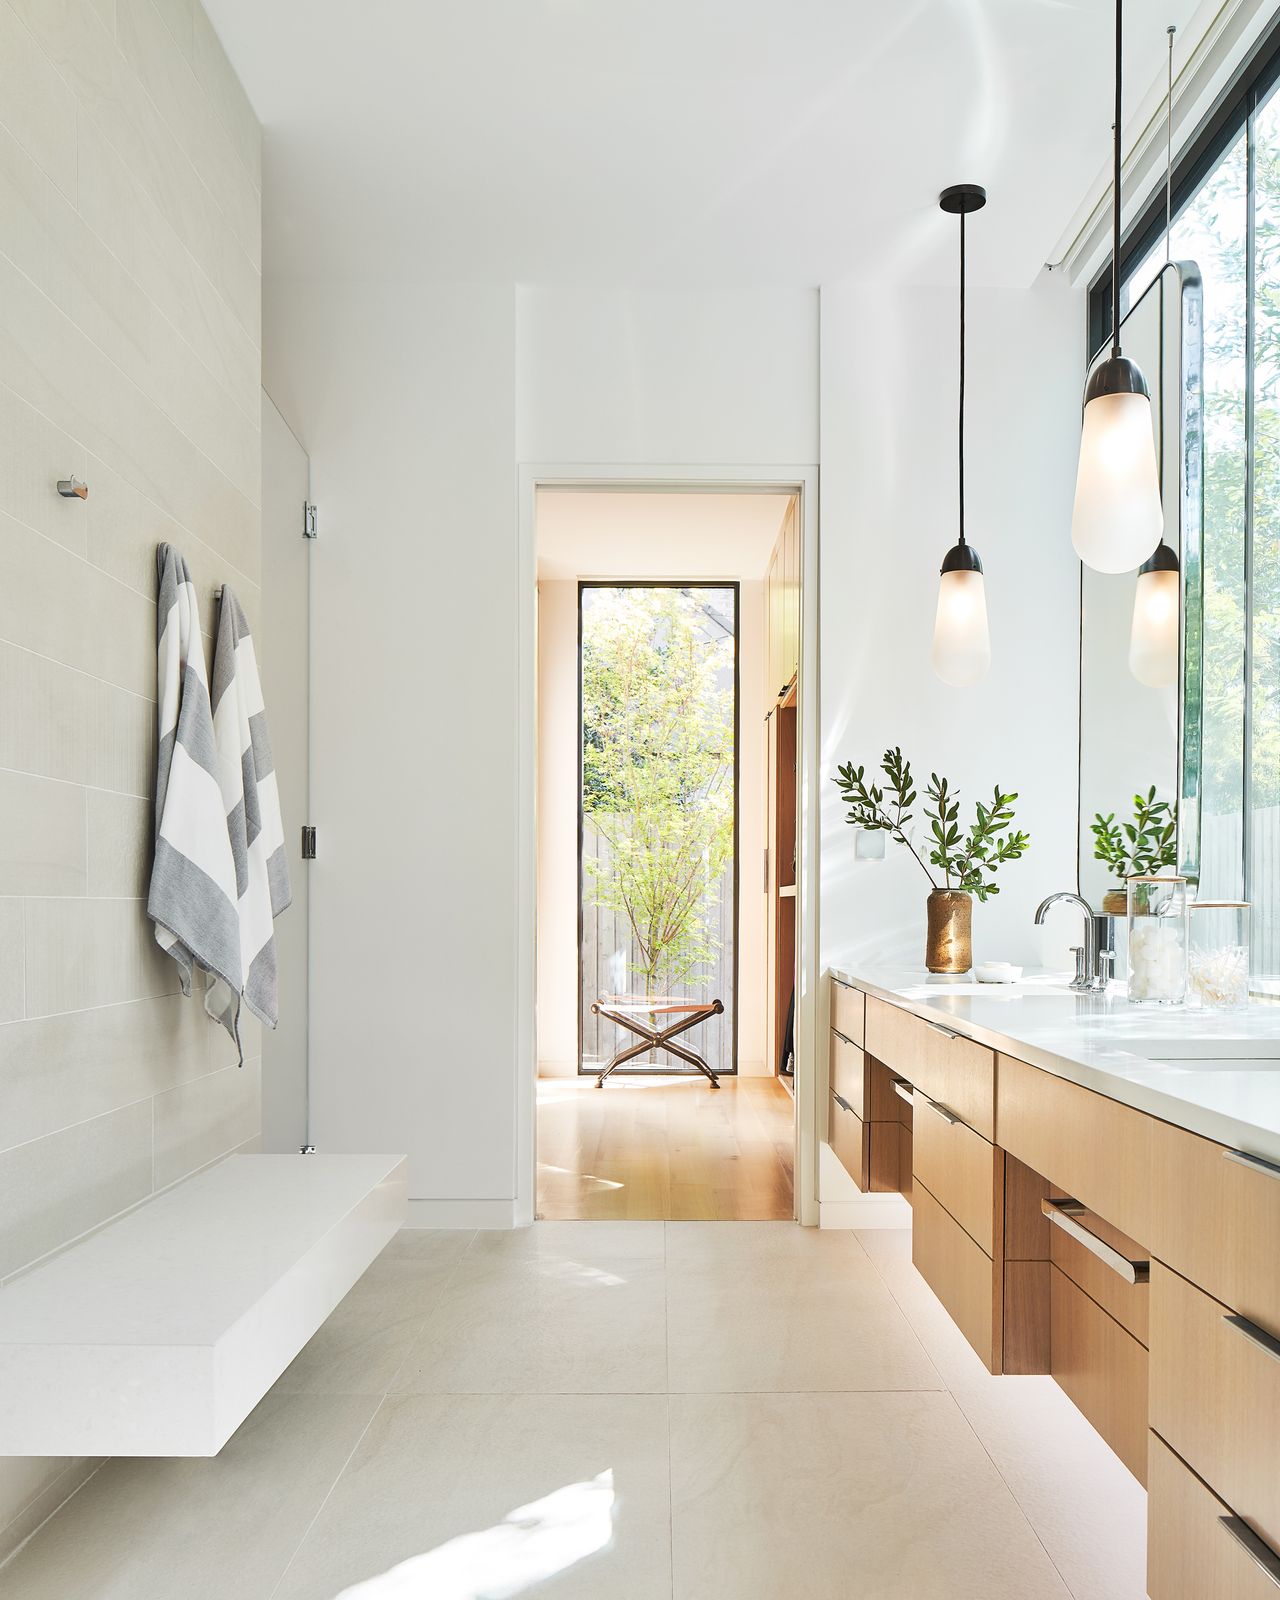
(1136, 736)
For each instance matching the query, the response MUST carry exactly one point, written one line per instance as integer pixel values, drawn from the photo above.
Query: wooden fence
(608, 957)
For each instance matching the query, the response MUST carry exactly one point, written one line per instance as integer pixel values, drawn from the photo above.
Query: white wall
(888, 517)
(404, 399)
(655, 377)
(558, 804)
(129, 351)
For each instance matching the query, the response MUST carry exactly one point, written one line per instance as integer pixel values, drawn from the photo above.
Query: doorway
(655, 909)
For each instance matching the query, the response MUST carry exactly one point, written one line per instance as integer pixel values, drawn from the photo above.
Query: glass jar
(1218, 954)
(1158, 915)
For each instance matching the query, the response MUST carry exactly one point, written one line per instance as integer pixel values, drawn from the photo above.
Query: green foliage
(1145, 845)
(969, 862)
(657, 770)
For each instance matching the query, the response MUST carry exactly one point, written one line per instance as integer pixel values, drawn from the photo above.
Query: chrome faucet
(1095, 959)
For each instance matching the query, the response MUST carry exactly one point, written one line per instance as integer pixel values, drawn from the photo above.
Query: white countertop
(1215, 1073)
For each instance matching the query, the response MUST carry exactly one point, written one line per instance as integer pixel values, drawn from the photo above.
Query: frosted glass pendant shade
(1154, 636)
(1117, 521)
(961, 640)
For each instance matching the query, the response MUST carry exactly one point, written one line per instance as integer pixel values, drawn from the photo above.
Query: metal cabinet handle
(1063, 1213)
(1255, 1335)
(903, 1090)
(1254, 1163)
(1256, 1549)
(844, 1039)
(841, 1101)
(945, 1112)
(947, 1033)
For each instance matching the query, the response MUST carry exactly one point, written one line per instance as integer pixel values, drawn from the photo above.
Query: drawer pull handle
(1256, 1549)
(947, 1033)
(1063, 1213)
(1255, 1335)
(843, 1040)
(945, 1112)
(1254, 1163)
(903, 1090)
(842, 1102)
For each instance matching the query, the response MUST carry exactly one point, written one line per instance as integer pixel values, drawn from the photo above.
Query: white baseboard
(867, 1211)
(461, 1214)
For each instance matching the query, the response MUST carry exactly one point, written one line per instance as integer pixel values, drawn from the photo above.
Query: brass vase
(1115, 903)
(949, 945)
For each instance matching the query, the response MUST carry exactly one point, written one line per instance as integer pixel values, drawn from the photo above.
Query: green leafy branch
(1145, 845)
(969, 863)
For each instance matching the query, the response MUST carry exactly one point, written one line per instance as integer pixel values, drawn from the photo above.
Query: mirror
(1133, 736)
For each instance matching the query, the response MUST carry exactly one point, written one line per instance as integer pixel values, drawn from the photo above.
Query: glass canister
(1158, 917)
(1218, 954)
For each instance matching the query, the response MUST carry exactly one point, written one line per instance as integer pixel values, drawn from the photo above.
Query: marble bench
(159, 1333)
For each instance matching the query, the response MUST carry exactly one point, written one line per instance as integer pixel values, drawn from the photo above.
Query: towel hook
(71, 487)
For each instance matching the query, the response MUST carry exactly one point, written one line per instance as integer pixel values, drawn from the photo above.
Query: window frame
(733, 1012)
(1233, 114)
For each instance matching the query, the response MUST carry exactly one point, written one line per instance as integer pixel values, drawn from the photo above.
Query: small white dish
(997, 972)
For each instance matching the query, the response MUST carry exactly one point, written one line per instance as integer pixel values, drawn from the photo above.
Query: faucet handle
(1081, 979)
(1106, 967)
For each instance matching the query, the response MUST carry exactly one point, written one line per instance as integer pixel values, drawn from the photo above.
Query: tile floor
(622, 1411)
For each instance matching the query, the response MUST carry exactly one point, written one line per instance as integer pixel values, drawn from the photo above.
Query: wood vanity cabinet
(1135, 1261)
(864, 1126)
(956, 1173)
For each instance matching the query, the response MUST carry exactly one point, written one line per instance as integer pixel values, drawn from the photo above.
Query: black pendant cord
(1115, 190)
(961, 428)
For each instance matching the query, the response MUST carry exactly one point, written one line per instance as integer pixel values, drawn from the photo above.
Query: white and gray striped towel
(251, 800)
(192, 898)
(219, 878)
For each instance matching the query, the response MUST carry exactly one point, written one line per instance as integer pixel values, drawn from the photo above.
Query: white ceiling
(590, 533)
(735, 142)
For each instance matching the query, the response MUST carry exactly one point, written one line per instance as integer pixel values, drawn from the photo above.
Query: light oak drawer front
(1215, 1396)
(1192, 1553)
(956, 1165)
(846, 1138)
(1217, 1222)
(1102, 1368)
(848, 1072)
(958, 1271)
(947, 1066)
(847, 1011)
(882, 1140)
(905, 1143)
(1093, 1148)
(1129, 1303)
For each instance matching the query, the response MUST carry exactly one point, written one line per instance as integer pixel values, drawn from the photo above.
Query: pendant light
(1157, 598)
(961, 641)
(1117, 519)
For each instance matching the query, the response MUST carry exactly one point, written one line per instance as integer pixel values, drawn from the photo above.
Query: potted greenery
(968, 865)
(1144, 846)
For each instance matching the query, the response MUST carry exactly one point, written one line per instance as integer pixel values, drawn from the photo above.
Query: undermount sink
(1222, 1049)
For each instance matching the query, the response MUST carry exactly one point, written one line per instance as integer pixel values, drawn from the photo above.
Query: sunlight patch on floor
(531, 1544)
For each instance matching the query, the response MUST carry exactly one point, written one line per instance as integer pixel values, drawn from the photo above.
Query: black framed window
(658, 810)
(1226, 218)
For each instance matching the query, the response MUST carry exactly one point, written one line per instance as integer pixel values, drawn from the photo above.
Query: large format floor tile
(219, 1529)
(470, 1496)
(843, 1497)
(775, 1307)
(363, 1345)
(563, 1308)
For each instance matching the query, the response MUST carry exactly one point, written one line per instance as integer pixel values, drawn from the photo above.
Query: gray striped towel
(192, 897)
(251, 802)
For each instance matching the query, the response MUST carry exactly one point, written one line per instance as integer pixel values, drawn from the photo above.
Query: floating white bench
(158, 1334)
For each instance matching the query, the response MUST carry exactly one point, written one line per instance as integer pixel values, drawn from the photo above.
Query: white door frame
(810, 1118)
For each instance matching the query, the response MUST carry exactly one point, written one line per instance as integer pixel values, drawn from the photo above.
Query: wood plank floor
(671, 1149)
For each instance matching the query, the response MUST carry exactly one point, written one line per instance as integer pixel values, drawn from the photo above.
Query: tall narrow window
(1227, 221)
(658, 822)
